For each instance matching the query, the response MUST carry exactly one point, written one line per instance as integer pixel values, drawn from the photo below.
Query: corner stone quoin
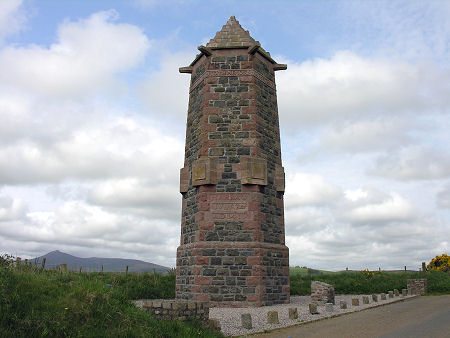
(232, 250)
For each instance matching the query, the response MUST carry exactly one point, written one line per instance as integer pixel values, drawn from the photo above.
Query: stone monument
(232, 250)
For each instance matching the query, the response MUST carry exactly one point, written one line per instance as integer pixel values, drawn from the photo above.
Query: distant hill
(55, 258)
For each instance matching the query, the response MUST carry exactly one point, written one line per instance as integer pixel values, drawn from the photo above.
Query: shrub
(440, 263)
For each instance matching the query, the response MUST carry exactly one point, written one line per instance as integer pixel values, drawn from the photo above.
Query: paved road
(418, 317)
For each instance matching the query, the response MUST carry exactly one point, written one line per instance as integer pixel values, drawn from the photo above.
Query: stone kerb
(322, 293)
(175, 309)
(417, 286)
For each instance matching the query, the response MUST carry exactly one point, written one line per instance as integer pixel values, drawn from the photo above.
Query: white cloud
(11, 17)
(86, 56)
(350, 86)
(413, 163)
(11, 208)
(166, 91)
(443, 197)
(309, 189)
(374, 207)
(366, 135)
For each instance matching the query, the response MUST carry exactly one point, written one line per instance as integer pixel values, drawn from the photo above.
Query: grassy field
(36, 303)
(368, 282)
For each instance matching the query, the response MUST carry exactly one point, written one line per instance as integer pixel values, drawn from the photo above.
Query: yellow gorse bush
(440, 263)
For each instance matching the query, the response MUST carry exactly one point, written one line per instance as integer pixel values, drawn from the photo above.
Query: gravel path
(230, 318)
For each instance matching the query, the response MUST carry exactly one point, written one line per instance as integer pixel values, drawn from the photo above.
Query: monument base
(233, 274)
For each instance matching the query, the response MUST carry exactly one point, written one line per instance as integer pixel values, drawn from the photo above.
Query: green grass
(36, 303)
(363, 283)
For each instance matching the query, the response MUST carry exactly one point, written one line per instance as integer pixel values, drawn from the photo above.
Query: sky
(93, 112)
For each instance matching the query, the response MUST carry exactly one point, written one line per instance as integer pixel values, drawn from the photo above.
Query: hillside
(55, 258)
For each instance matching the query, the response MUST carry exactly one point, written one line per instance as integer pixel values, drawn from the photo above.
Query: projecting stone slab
(391, 294)
(383, 296)
(396, 293)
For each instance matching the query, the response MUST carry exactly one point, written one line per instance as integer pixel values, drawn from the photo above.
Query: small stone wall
(417, 286)
(171, 309)
(321, 293)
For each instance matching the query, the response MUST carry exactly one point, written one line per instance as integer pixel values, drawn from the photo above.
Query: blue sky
(93, 113)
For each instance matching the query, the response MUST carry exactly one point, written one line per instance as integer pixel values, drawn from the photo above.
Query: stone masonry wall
(232, 250)
(175, 309)
(321, 293)
(417, 286)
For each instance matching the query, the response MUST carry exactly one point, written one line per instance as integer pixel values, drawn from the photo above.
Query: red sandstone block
(254, 206)
(199, 217)
(248, 95)
(286, 288)
(246, 65)
(211, 96)
(251, 225)
(200, 260)
(212, 80)
(196, 289)
(249, 126)
(250, 188)
(196, 270)
(207, 188)
(254, 260)
(254, 298)
(246, 79)
(203, 206)
(201, 297)
(249, 110)
(202, 280)
(252, 280)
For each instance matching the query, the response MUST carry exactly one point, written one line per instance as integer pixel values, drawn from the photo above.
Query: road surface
(426, 316)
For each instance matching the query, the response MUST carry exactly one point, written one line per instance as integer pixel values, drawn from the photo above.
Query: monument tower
(232, 250)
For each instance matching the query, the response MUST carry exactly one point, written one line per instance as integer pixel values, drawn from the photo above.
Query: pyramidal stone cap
(233, 36)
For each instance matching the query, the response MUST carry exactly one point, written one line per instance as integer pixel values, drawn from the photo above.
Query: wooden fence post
(405, 268)
(18, 261)
(63, 268)
(126, 271)
(102, 269)
(43, 263)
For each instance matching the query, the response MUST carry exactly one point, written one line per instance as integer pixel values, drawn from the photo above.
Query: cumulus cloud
(413, 163)
(84, 58)
(351, 86)
(366, 135)
(309, 189)
(372, 207)
(11, 208)
(165, 92)
(11, 17)
(443, 197)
